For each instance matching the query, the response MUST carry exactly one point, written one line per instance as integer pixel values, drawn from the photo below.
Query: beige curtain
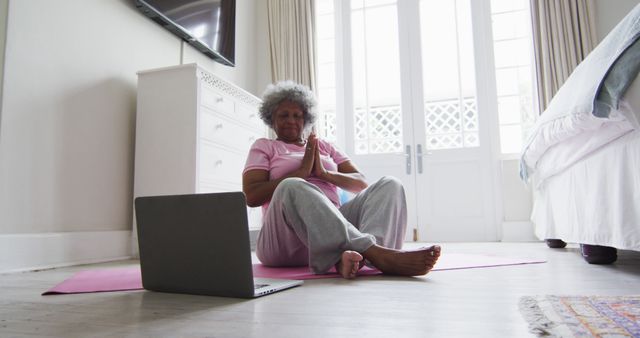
(292, 41)
(563, 35)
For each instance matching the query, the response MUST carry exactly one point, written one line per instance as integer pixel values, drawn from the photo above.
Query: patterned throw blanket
(582, 316)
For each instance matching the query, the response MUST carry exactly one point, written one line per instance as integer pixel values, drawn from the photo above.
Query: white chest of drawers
(193, 133)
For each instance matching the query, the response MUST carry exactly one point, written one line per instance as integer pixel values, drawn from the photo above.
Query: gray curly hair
(288, 91)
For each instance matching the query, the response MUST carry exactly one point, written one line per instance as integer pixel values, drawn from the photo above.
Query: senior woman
(295, 180)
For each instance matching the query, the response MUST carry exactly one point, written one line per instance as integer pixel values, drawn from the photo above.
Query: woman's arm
(347, 177)
(257, 187)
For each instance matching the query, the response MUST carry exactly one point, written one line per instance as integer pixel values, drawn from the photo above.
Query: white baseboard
(518, 231)
(28, 252)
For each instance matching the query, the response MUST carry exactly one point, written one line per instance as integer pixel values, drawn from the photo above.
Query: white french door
(417, 107)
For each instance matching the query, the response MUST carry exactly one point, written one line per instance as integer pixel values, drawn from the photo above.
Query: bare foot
(404, 263)
(349, 264)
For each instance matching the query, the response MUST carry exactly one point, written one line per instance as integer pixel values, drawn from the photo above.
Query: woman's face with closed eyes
(288, 122)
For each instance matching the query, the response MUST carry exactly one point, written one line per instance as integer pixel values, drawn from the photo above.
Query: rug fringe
(539, 324)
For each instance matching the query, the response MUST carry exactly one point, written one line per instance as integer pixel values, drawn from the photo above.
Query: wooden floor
(458, 303)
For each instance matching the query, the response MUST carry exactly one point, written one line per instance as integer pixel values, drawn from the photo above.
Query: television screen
(208, 25)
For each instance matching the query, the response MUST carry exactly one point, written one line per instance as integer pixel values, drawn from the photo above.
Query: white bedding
(586, 167)
(572, 126)
(561, 155)
(596, 201)
(569, 138)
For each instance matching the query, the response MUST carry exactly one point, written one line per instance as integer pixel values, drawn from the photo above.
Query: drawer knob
(219, 99)
(218, 163)
(218, 126)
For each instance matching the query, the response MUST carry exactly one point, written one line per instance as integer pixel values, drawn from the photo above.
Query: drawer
(217, 102)
(218, 129)
(217, 164)
(249, 116)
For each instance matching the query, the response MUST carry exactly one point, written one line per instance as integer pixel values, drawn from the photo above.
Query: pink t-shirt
(280, 158)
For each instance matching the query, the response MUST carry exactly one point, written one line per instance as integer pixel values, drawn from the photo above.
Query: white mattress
(596, 200)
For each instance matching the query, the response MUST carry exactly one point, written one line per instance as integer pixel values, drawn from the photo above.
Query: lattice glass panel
(470, 115)
(443, 141)
(361, 125)
(326, 125)
(442, 117)
(378, 130)
(385, 123)
(471, 140)
(451, 123)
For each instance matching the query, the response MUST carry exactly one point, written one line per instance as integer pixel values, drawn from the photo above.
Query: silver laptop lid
(196, 244)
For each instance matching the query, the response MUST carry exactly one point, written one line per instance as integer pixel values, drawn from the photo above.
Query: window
(448, 75)
(325, 37)
(513, 54)
(376, 77)
(448, 72)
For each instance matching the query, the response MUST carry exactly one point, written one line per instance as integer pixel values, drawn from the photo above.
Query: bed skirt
(595, 201)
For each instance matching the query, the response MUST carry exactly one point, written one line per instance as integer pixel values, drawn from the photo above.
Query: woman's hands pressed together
(311, 162)
(309, 157)
(318, 168)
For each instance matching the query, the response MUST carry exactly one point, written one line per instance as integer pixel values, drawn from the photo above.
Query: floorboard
(471, 302)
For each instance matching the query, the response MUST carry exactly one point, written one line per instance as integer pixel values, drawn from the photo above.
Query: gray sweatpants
(302, 226)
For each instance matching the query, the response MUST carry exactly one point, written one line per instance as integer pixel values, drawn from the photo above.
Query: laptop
(199, 244)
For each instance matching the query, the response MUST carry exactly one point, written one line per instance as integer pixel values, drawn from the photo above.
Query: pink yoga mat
(302, 272)
(121, 279)
(450, 261)
(100, 280)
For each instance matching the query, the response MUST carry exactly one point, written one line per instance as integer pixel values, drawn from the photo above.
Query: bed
(582, 158)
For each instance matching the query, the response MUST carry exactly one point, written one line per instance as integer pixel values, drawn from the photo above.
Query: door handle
(419, 158)
(407, 156)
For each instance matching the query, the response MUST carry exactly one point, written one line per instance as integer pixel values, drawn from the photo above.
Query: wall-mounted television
(208, 25)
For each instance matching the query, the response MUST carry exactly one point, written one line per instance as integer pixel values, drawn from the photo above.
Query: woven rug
(582, 316)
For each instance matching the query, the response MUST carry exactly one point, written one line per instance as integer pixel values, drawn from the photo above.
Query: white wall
(4, 4)
(517, 202)
(67, 126)
(610, 12)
